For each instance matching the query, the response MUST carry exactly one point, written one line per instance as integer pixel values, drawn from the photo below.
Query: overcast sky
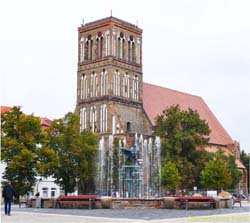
(195, 46)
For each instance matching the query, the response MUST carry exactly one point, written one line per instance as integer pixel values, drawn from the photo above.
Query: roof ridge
(180, 92)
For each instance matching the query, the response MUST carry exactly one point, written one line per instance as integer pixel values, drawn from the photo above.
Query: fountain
(133, 172)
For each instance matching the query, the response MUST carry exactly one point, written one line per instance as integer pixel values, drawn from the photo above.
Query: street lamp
(39, 181)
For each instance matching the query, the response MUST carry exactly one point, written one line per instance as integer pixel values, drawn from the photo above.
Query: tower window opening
(128, 127)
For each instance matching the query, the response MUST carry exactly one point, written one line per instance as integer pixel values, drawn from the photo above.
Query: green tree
(245, 159)
(170, 176)
(76, 151)
(216, 174)
(182, 132)
(234, 172)
(22, 149)
(87, 169)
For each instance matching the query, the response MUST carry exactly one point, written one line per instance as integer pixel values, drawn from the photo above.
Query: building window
(104, 83)
(45, 192)
(103, 118)
(83, 87)
(133, 53)
(81, 49)
(92, 113)
(88, 48)
(135, 89)
(117, 83)
(53, 192)
(83, 119)
(126, 86)
(131, 49)
(93, 85)
(107, 43)
(99, 45)
(121, 46)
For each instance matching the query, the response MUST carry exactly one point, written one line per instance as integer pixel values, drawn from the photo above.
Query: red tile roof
(156, 99)
(45, 122)
(227, 152)
(4, 109)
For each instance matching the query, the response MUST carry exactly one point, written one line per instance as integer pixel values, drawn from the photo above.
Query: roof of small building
(45, 121)
(156, 99)
(4, 109)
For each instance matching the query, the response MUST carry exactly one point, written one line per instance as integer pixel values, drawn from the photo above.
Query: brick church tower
(110, 78)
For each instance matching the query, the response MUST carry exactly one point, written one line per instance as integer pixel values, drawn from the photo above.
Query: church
(112, 97)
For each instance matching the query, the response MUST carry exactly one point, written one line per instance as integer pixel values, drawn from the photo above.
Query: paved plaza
(43, 215)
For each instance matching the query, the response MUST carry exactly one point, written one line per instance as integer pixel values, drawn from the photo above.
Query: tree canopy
(245, 159)
(76, 152)
(216, 174)
(182, 133)
(23, 149)
(170, 176)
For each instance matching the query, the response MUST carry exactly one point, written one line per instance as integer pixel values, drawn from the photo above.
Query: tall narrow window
(126, 85)
(133, 53)
(104, 83)
(121, 46)
(117, 83)
(93, 85)
(135, 88)
(81, 49)
(86, 51)
(99, 45)
(88, 48)
(92, 119)
(107, 43)
(129, 51)
(83, 119)
(103, 118)
(83, 87)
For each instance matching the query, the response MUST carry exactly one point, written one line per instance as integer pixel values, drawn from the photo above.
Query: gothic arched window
(104, 83)
(131, 49)
(126, 85)
(92, 118)
(81, 49)
(99, 45)
(83, 119)
(107, 43)
(117, 83)
(103, 118)
(121, 46)
(83, 87)
(93, 85)
(88, 48)
(135, 88)
(133, 53)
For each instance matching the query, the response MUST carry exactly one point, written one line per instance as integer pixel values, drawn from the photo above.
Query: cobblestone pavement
(35, 215)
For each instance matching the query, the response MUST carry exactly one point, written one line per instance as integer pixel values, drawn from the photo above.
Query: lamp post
(39, 181)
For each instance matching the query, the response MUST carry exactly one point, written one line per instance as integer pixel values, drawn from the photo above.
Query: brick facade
(110, 75)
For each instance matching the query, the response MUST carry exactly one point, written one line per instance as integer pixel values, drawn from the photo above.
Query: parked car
(240, 196)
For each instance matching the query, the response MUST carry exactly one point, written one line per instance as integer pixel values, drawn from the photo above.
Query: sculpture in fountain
(133, 172)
